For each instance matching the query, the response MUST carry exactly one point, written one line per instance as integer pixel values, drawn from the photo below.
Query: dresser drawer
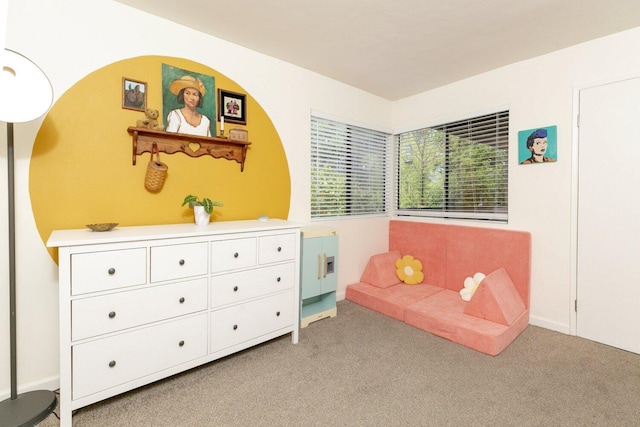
(106, 363)
(281, 247)
(99, 271)
(110, 313)
(237, 324)
(233, 254)
(178, 261)
(235, 287)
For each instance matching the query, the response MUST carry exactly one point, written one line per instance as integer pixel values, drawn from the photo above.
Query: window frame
(385, 137)
(442, 212)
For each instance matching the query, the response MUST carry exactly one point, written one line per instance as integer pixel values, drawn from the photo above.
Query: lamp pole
(12, 262)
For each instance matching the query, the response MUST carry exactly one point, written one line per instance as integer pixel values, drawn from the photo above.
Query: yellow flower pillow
(409, 270)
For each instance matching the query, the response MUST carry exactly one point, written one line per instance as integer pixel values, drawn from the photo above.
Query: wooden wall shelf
(191, 145)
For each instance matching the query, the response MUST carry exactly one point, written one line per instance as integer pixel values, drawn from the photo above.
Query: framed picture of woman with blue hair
(538, 145)
(188, 102)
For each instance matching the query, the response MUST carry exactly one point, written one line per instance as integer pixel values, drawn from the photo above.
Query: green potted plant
(201, 208)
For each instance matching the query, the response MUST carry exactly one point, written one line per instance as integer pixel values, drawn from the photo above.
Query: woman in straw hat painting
(189, 92)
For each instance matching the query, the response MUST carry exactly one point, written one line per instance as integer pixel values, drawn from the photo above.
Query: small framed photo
(134, 94)
(233, 107)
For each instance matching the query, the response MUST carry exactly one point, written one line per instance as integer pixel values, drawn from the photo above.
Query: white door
(608, 277)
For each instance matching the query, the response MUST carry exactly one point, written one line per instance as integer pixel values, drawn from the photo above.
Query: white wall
(69, 39)
(538, 92)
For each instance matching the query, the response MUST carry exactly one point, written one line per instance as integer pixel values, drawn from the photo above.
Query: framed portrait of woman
(538, 145)
(233, 106)
(188, 101)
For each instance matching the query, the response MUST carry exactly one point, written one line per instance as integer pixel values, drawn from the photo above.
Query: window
(348, 169)
(455, 170)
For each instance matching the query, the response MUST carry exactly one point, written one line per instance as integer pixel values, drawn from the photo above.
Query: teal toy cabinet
(318, 274)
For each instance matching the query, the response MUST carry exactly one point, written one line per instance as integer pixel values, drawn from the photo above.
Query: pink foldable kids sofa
(497, 312)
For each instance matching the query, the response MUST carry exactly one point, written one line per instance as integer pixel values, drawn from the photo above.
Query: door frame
(575, 174)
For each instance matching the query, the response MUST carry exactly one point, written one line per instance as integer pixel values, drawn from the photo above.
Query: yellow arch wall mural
(81, 168)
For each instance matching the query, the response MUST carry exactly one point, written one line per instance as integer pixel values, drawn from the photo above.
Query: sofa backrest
(450, 253)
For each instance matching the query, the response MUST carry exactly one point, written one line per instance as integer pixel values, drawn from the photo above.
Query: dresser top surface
(60, 238)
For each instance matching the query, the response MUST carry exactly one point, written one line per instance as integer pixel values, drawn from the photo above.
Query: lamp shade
(25, 91)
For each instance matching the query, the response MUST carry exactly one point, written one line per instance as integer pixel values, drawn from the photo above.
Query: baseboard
(51, 383)
(547, 324)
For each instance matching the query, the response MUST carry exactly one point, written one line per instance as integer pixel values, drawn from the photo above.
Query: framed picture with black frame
(233, 107)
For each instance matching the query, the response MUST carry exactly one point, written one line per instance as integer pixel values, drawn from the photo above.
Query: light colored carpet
(362, 368)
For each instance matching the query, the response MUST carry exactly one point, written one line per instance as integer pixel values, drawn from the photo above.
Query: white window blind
(348, 169)
(455, 170)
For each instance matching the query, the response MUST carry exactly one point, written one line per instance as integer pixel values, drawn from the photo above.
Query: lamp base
(27, 409)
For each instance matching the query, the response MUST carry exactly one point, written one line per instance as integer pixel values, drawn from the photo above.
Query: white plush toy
(470, 286)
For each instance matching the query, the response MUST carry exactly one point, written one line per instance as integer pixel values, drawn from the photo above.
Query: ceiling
(398, 48)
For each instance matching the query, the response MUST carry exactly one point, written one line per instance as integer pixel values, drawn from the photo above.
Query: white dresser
(138, 304)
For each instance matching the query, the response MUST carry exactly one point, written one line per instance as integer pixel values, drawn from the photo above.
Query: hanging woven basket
(156, 171)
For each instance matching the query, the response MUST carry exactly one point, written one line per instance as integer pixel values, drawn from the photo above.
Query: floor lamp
(25, 95)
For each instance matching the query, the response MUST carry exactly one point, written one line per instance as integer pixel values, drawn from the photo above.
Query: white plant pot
(200, 216)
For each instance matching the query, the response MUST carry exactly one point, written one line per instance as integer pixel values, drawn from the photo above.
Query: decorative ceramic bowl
(106, 226)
